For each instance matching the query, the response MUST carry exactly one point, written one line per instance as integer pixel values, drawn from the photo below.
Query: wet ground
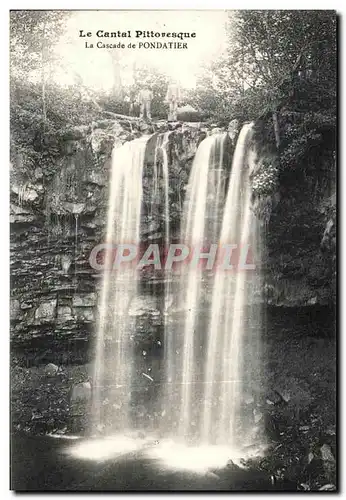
(299, 364)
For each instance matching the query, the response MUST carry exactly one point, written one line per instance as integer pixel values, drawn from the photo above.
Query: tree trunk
(276, 128)
(43, 77)
(117, 84)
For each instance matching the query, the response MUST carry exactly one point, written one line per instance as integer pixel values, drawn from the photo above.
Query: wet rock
(51, 370)
(14, 309)
(102, 141)
(143, 305)
(328, 461)
(87, 300)
(26, 305)
(233, 129)
(304, 487)
(81, 392)
(258, 415)
(328, 487)
(85, 314)
(38, 174)
(312, 301)
(304, 428)
(64, 314)
(216, 130)
(143, 126)
(331, 430)
(73, 208)
(26, 193)
(231, 466)
(75, 133)
(273, 397)
(329, 236)
(65, 263)
(98, 178)
(21, 219)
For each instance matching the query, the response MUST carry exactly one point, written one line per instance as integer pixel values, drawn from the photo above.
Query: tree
(275, 60)
(274, 47)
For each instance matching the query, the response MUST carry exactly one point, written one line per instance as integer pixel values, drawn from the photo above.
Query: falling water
(233, 312)
(199, 228)
(75, 248)
(163, 147)
(161, 158)
(114, 366)
(214, 358)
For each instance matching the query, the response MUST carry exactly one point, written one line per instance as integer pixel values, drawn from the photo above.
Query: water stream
(114, 362)
(211, 350)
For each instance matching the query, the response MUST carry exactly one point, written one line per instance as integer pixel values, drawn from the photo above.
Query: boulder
(14, 309)
(328, 241)
(64, 314)
(21, 219)
(73, 208)
(216, 130)
(86, 300)
(45, 312)
(51, 370)
(26, 193)
(274, 397)
(65, 262)
(328, 460)
(95, 177)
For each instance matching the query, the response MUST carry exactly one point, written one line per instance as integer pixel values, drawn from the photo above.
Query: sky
(95, 65)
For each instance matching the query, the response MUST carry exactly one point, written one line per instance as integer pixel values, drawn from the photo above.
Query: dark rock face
(58, 215)
(300, 260)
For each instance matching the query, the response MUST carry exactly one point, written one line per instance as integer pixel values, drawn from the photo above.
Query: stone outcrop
(58, 214)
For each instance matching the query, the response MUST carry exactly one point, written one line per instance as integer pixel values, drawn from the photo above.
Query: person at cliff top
(173, 98)
(145, 97)
(131, 102)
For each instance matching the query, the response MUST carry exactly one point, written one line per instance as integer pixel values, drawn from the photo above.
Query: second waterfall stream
(211, 338)
(213, 354)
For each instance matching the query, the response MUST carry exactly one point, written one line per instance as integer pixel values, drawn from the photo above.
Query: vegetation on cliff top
(278, 66)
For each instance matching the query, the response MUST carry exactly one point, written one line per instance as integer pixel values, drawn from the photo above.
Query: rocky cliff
(58, 214)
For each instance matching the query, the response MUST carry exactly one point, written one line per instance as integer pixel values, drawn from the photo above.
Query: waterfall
(161, 157)
(232, 354)
(212, 335)
(75, 248)
(199, 228)
(163, 147)
(115, 356)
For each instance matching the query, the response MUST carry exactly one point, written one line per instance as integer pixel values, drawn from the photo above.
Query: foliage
(264, 181)
(150, 76)
(35, 141)
(279, 67)
(32, 35)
